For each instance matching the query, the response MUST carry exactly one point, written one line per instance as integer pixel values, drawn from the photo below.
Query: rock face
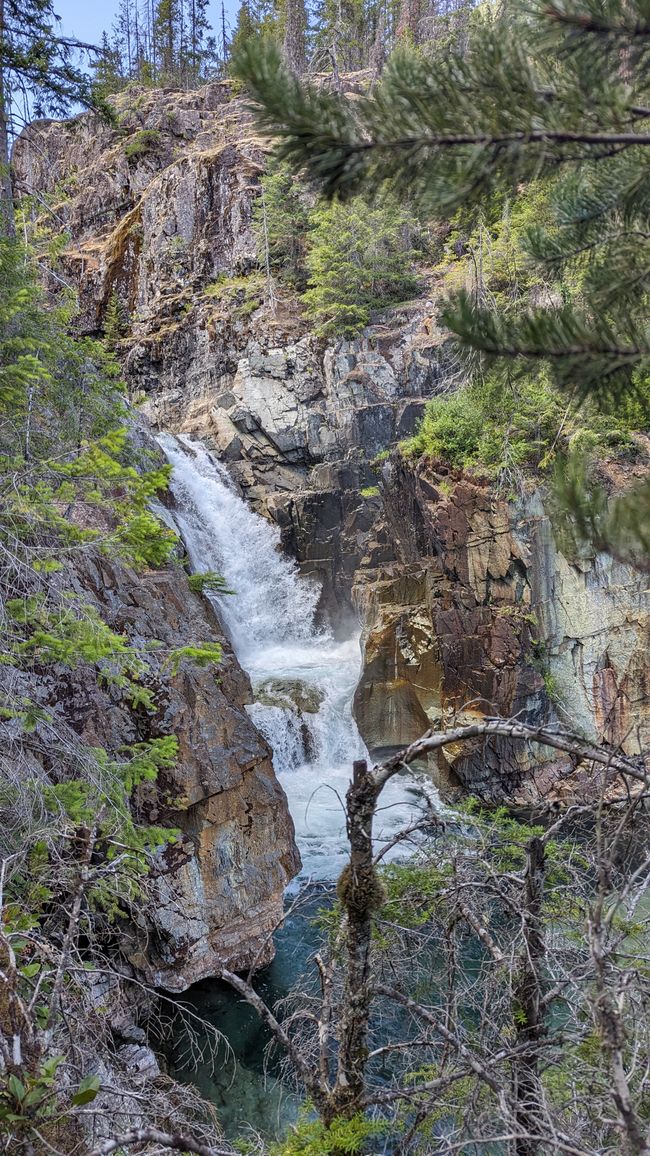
(168, 229)
(467, 607)
(216, 894)
(478, 614)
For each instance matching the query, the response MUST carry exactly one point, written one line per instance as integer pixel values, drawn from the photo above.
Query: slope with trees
(475, 122)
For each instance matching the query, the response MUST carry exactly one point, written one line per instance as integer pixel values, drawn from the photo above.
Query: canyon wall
(215, 894)
(169, 230)
(466, 605)
(479, 614)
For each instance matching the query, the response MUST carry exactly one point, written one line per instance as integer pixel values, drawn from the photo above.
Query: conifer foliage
(358, 260)
(164, 42)
(38, 67)
(562, 94)
(346, 260)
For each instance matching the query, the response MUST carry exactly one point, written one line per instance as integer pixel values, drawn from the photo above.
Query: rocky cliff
(480, 614)
(467, 606)
(159, 212)
(215, 895)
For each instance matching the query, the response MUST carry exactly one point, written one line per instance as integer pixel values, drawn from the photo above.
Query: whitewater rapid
(270, 620)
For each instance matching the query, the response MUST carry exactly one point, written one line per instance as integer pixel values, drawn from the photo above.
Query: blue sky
(87, 19)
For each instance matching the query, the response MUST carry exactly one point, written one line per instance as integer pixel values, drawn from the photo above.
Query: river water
(303, 683)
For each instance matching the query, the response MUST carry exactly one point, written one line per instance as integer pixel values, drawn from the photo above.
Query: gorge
(466, 607)
(365, 593)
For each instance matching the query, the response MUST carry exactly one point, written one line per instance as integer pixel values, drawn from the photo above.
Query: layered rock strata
(215, 894)
(479, 614)
(160, 211)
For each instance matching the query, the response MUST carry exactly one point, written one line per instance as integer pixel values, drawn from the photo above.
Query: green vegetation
(506, 425)
(143, 142)
(245, 293)
(342, 1137)
(164, 43)
(508, 420)
(115, 322)
(282, 224)
(345, 260)
(568, 261)
(208, 582)
(358, 260)
(78, 846)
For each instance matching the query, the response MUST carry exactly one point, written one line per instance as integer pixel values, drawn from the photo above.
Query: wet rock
(171, 233)
(215, 894)
(480, 614)
(468, 607)
(289, 693)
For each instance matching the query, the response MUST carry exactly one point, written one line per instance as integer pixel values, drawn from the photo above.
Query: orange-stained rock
(215, 896)
(481, 614)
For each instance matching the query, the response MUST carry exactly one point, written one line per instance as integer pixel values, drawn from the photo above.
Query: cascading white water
(303, 678)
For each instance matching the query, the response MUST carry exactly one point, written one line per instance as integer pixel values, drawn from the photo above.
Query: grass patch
(146, 141)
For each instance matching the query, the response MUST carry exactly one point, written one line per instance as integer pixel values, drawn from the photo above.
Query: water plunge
(303, 683)
(303, 679)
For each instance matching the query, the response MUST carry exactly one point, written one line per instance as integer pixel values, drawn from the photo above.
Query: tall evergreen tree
(292, 20)
(107, 68)
(198, 41)
(282, 222)
(168, 37)
(358, 260)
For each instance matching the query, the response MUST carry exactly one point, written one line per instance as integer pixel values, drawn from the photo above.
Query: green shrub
(503, 422)
(142, 143)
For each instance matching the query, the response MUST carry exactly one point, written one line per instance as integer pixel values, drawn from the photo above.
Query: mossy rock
(146, 141)
(290, 694)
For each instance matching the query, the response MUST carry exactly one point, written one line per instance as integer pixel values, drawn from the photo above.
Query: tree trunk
(7, 221)
(294, 35)
(359, 892)
(528, 995)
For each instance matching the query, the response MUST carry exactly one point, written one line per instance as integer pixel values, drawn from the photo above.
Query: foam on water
(270, 621)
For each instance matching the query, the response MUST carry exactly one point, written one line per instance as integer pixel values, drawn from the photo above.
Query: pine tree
(125, 34)
(282, 223)
(168, 38)
(564, 90)
(255, 17)
(292, 27)
(345, 29)
(115, 322)
(108, 68)
(357, 261)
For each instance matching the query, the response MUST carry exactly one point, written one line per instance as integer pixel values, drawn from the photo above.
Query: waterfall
(303, 679)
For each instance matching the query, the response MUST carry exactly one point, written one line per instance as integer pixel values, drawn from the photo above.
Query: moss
(245, 292)
(370, 492)
(551, 687)
(146, 141)
(227, 286)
